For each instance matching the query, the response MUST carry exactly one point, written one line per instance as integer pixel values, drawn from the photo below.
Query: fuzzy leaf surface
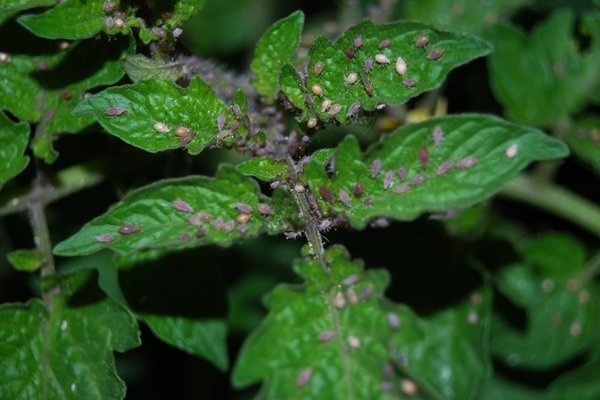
(142, 68)
(584, 141)
(485, 138)
(332, 338)
(65, 353)
(8, 8)
(382, 84)
(152, 210)
(264, 168)
(542, 78)
(274, 49)
(185, 9)
(13, 143)
(147, 103)
(563, 317)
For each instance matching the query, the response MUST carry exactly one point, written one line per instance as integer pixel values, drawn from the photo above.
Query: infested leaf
(407, 173)
(13, 143)
(264, 168)
(142, 68)
(183, 10)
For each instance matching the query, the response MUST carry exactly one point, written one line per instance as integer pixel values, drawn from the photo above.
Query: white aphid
(401, 66)
(351, 78)
(382, 59)
(512, 150)
(161, 127)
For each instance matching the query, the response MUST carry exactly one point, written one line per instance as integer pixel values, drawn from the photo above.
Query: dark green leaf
(426, 67)
(580, 383)
(156, 216)
(584, 140)
(13, 143)
(8, 8)
(336, 337)
(500, 389)
(264, 168)
(563, 313)
(65, 352)
(543, 78)
(142, 68)
(274, 50)
(151, 112)
(26, 259)
(500, 150)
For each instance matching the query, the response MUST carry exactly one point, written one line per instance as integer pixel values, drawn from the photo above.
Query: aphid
(367, 86)
(184, 237)
(318, 68)
(583, 297)
(304, 377)
(219, 224)
(243, 228)
(401, 173)
(64, 325)
(4, 58)
(128, 229)
(185, 139)
(292, 235)
(311, 123)
(160, 32)
(181, 131)
(475, 298)
(467, 162)
(419, 179)
(242, 218)
(42, 65)
(402, 188)
(196, 219)
(115, 111)
(388, 369)
(200, 233)
(317, 89)
(388, 180)
(181, 205)
(350, 51)
(264, 209)
(424, 156)
(358, 41)
(308, 99)
(380, 106)
(351, 78)
(386, 387)
(335, 109)
(243, 208)
(437, 135)
(409, 83)
(326, 336)
(358, 190)
(350, 280)
(375, 168)
(104, 238)
(325, 225)
(368, 201)
(299, 188)
(354, 342)
(352, 297)
(234, 125)
(339, 301)
(393, 321)
(63, 45)
(353, 110)
(380, 223)
(547, 285)
(382, 59)
(274, 185)
(365, 293)
(161, 127)
(575, 329)
(422, 40)
(443, 168)
(409, 387)
(512, 150)
(435, 54)
(326, 194)
(119, 22)
(326, 105)
(109, 22)
(401, 66)
(344, 198)
(472, 317)
(220, 122)
(384, 43)
(177, 32)
(368, 64)
(109, 6)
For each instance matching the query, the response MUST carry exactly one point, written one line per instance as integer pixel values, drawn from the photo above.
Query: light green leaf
(166, 215)
(543, 78)
(26, 259)
(13, 143)
(142, 68)
(277, 47)
(71, 19)
(337, 337)
(563, 314)
(471, 16)
(65, 352)
(264, 168)
(148, 103)
(8, 8)
(426, 67)
(498, 149)
(584, 140)
(185, 9)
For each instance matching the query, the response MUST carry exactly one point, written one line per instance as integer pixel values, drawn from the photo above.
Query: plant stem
(556, 200)
(41, 235)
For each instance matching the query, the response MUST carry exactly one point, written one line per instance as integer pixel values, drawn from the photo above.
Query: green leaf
(71, 19)
(584, 140)
(500, 389)
(543, 78)
(264, 168)
(142, 68)
(187, 310)
(487, 139)
(8, 8)
(148, 103)
(276, 47)
(563, 313)
(65, 352)
(580, 383)
(27, 260)
(382, 84)
(336, 337)
(471, 16)
(155, 216)
(13, 143)
(185, 9)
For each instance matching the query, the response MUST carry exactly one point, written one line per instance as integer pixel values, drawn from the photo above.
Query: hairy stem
(555, 199)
